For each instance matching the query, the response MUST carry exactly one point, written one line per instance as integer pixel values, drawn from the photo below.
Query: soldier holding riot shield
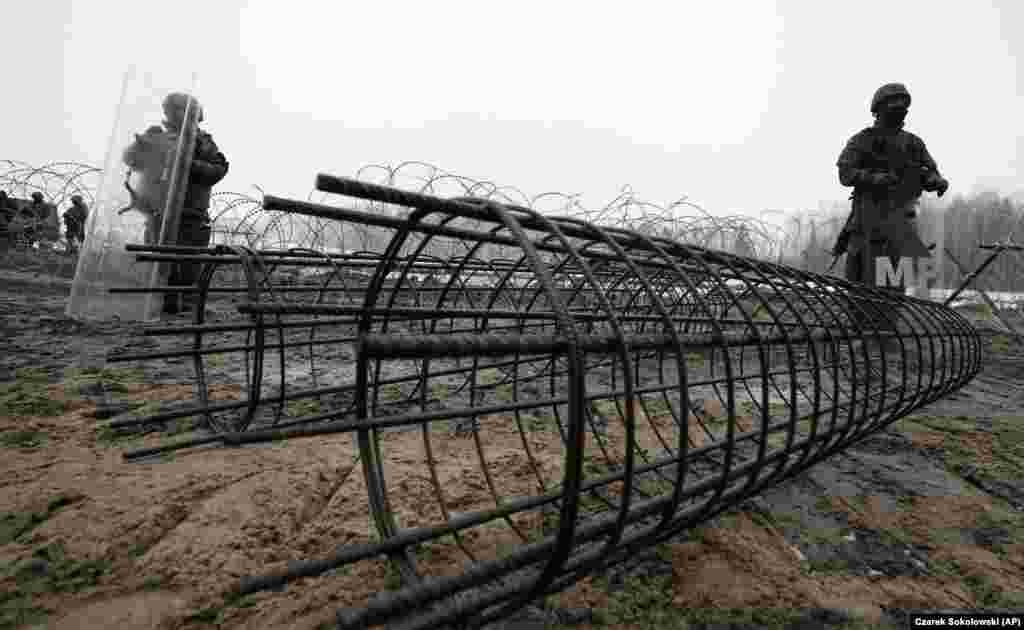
(172, 172)
(888, 169)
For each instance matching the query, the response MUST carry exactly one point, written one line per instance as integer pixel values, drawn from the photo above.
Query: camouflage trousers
(864, 271)
(864, 313)
(193, 230)
(74, 234)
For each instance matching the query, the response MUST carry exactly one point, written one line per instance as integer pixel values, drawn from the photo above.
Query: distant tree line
(958, 227)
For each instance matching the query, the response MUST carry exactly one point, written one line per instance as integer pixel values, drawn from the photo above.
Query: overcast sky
(738, 106)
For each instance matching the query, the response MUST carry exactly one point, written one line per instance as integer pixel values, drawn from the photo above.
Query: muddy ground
(926, 515)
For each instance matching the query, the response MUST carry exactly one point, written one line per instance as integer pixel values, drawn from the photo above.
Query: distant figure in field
(888, 169)
(40, 209)
(74, 223)
(7, 210)
(150, 154)
(37, 220)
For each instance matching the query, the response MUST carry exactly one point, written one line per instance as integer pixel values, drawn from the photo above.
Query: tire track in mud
(315, 505)
(178, 513)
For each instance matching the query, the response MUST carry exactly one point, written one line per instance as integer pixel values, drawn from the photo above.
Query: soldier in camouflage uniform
(7, 211)
(35, 218)
(74, 223)
(209, 166)
(888, 169)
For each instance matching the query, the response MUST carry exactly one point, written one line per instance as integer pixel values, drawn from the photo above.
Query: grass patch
(605, 408)
(1007, 454)
(694, 360)
(826, 535)
(1001, 517)
(113, 380)
(22, 439)
(34, 375)
(823, 504)
(944, 568)
(302, 407)
(658, 407)
(150, 408)
(985, 593)
(896, 537)
(214, 615)
(647, 603)
(999, 344)
(956, 424)
(655, 487)
(784, 519)
(777, 439)
(137, 550)
(390, 392)
(152, 583)
(829, 566)
(1004, 599)
(945, 536)
(981, 311)
(727, 520)
(209, 615)
(591, 503)
(595, 467)
(504, 393)
(750, 408)
(215, 361)
(760, 313)
(107, 436)
(545, 422)
(29, 395)
(392, 578)
(761, 520)
(63, 574)
(488, 376)
(1008, 433)
(439, 391)
(14, 525)
(504, 549)
(17, 611)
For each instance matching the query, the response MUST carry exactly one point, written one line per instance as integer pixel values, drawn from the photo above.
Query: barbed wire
(238, 218)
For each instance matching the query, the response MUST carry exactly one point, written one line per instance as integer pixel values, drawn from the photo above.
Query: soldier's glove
(882, 179)
(937, 183)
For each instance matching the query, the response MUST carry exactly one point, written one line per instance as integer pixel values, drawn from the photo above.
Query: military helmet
(886, 91)
(37, 196)
(76, 198)
(181, 99)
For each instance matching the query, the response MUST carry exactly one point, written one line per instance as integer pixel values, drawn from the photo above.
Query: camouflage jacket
(884, 212)
(76, 215)
(879, 150)
(209, 166)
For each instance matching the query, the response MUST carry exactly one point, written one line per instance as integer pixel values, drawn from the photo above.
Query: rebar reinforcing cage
(641, 385)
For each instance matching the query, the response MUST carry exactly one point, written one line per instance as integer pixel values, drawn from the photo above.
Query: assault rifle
(906, 190)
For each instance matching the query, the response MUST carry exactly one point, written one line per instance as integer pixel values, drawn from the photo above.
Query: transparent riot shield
(139, 200)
